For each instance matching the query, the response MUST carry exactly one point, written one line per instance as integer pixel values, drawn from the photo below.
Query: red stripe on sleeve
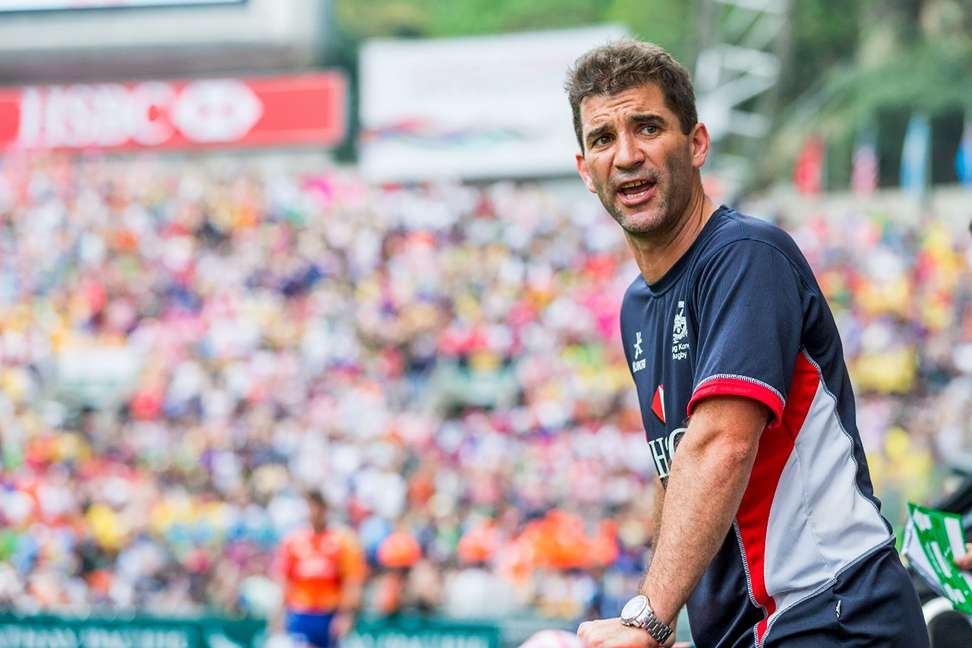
(738, 387)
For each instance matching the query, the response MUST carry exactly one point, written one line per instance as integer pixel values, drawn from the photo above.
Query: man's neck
(655, 256)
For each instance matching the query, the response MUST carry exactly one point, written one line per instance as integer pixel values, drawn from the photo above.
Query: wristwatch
(637, 614)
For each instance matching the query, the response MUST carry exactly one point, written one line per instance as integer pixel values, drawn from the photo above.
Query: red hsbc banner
(161, 115)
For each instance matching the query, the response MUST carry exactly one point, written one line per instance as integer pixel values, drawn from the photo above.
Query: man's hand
(611, 633)
(965, 562)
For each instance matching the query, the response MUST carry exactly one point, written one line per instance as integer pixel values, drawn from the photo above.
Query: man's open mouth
(635, 192)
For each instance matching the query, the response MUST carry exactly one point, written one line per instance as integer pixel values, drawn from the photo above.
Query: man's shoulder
(737, 237)
(636, 293)
(635, 288)
(734, 227)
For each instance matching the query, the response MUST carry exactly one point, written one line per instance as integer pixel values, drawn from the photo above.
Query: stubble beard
(667, 210)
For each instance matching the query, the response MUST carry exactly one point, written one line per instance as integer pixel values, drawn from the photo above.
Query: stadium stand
(186, 345)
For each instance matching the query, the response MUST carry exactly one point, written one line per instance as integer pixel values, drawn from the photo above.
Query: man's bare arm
(657, 506)
(709, 475)
(708, 478)
(656, 512)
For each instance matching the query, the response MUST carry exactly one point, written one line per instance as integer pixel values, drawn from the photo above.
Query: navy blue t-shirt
(740, 313)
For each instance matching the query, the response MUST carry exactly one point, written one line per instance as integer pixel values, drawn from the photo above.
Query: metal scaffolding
(736, 71)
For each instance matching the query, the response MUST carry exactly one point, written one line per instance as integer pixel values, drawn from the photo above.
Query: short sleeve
(750, 318)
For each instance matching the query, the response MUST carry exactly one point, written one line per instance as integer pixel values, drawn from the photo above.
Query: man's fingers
(965, 562)
(583, 630)
(588, 632)
(609, 633)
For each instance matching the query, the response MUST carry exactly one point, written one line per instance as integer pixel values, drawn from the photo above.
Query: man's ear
(584, 174)
(700, 141)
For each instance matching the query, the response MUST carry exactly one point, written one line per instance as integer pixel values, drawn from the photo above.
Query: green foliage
(666, 22)
(358, 19)
(824, 34)
(462, 17)
(669, 24)
(934, 77)
(931, 76)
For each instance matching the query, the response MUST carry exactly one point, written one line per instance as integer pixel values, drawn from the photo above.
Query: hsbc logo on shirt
(663, 451)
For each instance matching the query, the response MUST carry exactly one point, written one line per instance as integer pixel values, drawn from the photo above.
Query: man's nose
(628, 154)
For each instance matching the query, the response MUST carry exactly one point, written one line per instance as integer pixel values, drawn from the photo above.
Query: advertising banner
(478, 108)
(53, 631)
(165, 115)
(420, 632)
(62, 5)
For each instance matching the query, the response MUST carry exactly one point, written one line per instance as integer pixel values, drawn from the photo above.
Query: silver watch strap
(647, 621)
(656, 628)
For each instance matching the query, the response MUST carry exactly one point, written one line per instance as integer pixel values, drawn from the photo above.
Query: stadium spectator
(323, 571)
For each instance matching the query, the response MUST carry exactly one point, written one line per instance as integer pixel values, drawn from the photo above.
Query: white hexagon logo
(219, 110)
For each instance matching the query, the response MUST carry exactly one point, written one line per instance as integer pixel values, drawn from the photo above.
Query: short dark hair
(625, 64)
(315, 497)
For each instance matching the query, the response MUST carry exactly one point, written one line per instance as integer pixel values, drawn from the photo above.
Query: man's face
(317, 514)
(636, 158)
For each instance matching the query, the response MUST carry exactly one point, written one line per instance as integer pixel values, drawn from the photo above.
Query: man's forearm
(704, 491)
(658, 505)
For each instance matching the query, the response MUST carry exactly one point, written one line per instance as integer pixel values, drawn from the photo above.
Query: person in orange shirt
(323, 570)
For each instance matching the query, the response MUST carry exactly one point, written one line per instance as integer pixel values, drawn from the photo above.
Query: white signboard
(60, 5)
(476, 108)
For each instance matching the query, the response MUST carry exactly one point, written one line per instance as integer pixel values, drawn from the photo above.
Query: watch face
(634, 607)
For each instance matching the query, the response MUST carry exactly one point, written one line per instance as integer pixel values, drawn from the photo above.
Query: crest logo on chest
(680, 347)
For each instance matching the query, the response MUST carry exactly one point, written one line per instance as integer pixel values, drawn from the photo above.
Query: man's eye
(649, 129)
(601, 140)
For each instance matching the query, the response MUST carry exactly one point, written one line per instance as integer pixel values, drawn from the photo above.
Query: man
(322, 569)
(766, 524)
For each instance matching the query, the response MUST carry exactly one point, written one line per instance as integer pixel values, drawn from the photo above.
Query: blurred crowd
(185, 347)
(902, 297)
